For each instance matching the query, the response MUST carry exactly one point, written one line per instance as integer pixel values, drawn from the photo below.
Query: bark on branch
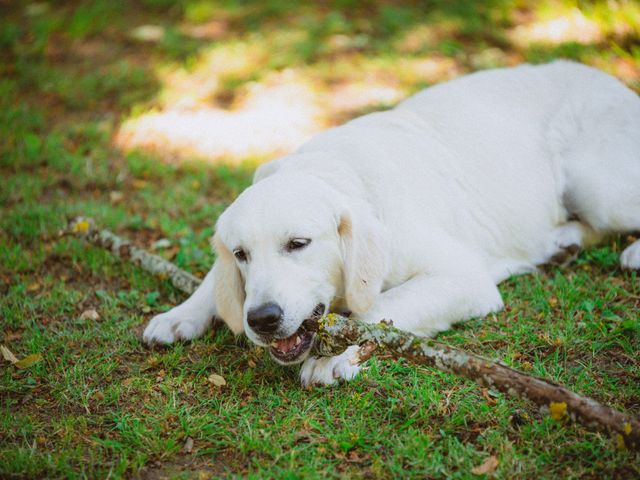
(335, 333)
(121, 247)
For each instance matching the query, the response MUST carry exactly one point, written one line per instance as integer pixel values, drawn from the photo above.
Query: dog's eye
(240, 255)
(297, 244)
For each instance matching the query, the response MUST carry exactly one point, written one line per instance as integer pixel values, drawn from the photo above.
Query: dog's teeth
(274, 344)
(298, 340)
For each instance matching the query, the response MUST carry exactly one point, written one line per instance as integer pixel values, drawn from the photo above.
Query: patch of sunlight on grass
(276, 116)
(555, 22)
(431, 69)
(232, 102)
(352, 96)
(197, 83)
(263, 92)
(619, 18)
(572, 26)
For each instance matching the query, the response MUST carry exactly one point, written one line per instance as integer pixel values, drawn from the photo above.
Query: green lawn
(99, 404)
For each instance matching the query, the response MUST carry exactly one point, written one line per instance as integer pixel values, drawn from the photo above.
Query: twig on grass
(121, 247)
(335, 333)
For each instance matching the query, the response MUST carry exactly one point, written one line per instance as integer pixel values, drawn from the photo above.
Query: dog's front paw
(328, 370)
(173, 326)
(630, 258)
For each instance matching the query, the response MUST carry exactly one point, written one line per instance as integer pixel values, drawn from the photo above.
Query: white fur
(188, 320)
(630, 257)
(416, 214)
(328, 370)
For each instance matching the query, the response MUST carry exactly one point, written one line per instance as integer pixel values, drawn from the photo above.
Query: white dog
(417, 213)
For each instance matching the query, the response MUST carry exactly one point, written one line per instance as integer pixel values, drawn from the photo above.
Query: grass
(99, 404)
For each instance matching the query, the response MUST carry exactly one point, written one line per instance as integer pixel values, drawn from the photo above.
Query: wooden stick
(335, 333)
(121, 247)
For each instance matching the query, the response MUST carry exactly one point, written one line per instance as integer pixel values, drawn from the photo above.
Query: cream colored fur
(417, 213)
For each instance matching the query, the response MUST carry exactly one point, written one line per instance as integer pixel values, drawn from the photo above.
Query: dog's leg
(188, 320)
(601, 161)
(427, 304)
(568, 239)
(328, 370)
(630, 258)
(424, 305)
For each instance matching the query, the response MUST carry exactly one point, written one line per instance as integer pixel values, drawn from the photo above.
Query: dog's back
(498, 159)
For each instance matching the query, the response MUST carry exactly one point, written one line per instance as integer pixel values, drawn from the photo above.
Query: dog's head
(288, 248)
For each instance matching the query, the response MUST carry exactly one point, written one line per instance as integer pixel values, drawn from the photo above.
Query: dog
(416, 214)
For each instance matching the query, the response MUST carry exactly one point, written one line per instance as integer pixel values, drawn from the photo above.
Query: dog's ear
(364, 258)
(228, 287)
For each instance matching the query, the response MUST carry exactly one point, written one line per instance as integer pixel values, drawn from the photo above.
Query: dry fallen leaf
(526, 365)
(116, 197)
(90, 314)
(487, 467)
(217, 380)
(488, 398)
(81, 227)
(26, 362)
(188, 445)
(147, 33)
(29, 360)
(558, 410)
(8, 355)
(620, 443)
(171, 252)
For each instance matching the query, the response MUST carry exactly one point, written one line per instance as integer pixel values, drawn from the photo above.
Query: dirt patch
(208, 465)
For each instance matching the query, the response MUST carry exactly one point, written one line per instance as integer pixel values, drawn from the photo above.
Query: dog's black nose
(265, 319)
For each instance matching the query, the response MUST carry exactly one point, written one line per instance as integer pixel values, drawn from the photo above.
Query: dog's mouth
(292, 349)
(295, 348)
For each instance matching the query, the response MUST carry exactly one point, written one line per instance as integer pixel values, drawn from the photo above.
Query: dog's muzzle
(295, 348)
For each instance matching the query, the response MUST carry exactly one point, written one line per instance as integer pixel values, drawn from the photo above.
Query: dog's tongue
(285, 344)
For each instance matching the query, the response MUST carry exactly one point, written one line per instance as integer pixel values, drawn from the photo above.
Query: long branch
(121, 247)
(335, 333)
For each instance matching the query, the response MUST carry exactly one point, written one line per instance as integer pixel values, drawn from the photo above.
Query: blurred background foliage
(111, 107)
(230, 80)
